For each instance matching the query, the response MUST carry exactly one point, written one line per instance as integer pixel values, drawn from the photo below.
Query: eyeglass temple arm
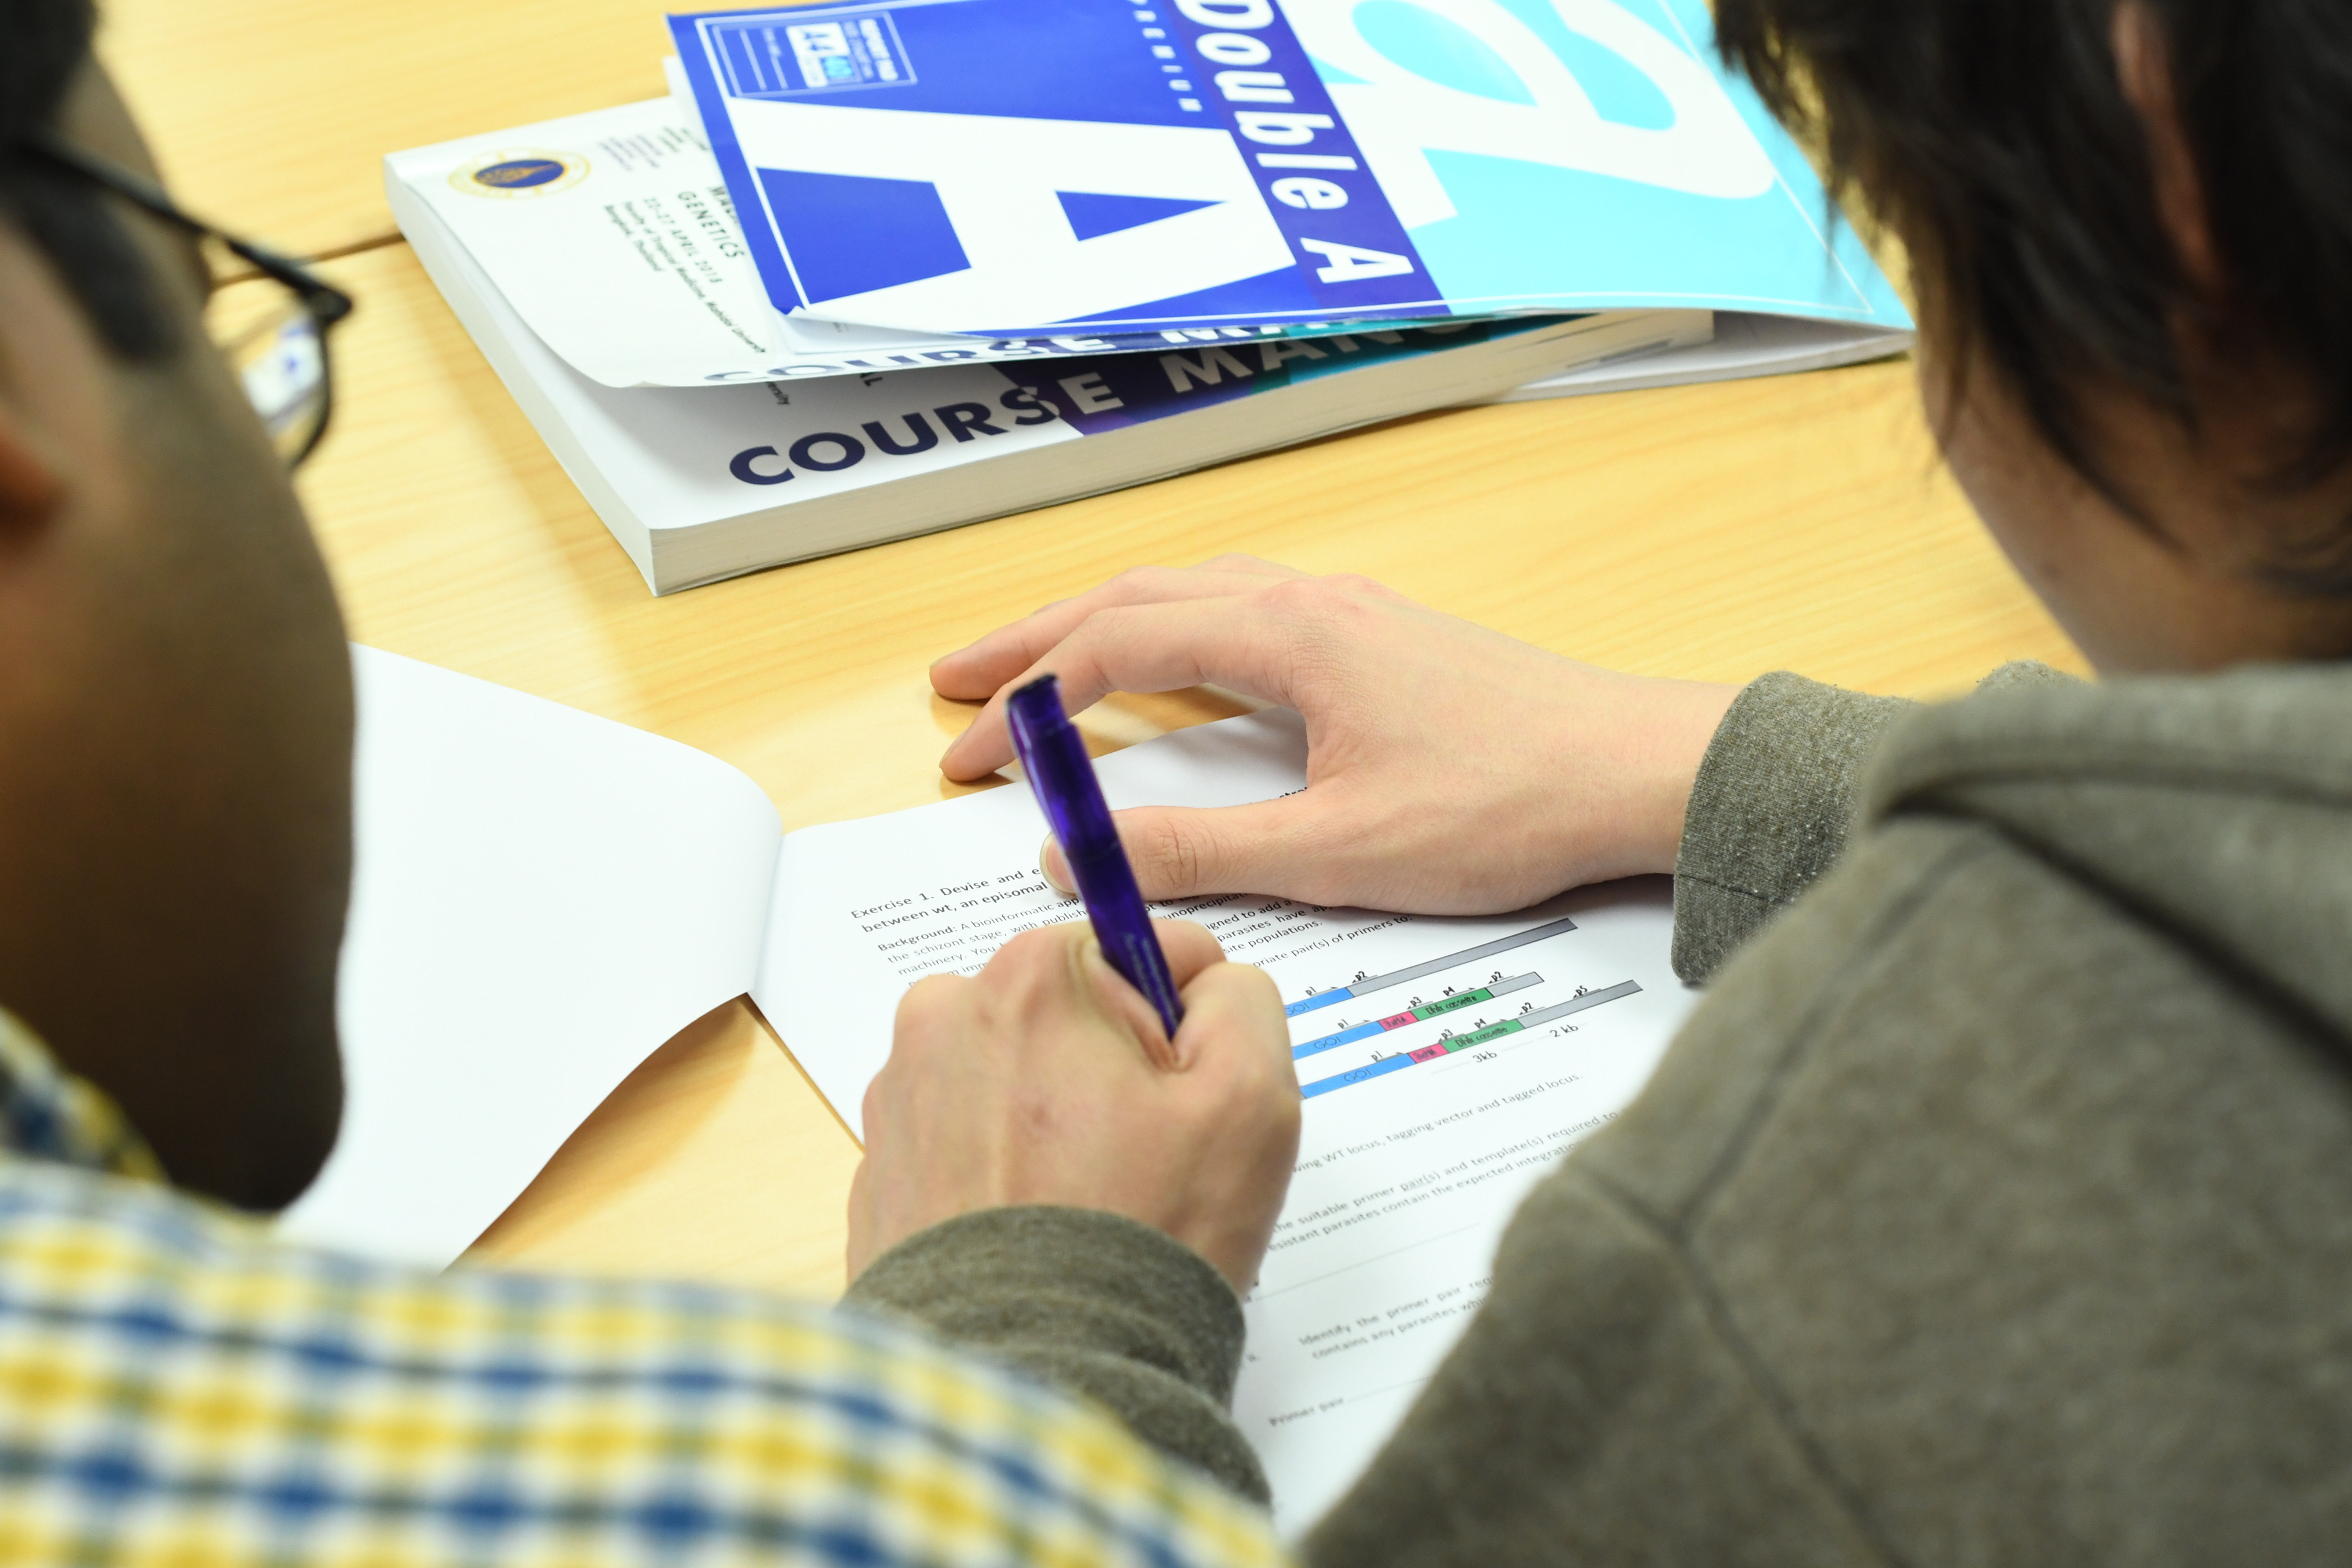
(329, 303)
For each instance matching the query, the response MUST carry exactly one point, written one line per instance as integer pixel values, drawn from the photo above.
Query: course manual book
(511, 957)
(699, 484)
(597, 262)
(1001, 167)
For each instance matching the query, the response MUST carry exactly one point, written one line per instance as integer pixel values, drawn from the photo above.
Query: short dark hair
(1994, 138)
(43, 46)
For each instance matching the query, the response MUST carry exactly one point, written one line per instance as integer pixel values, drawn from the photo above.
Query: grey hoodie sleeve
(1774, 800)
(1099, 1306)
(1770, 811)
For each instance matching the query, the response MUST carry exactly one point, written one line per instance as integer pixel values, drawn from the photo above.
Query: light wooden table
(1710, 532)
(273, 116)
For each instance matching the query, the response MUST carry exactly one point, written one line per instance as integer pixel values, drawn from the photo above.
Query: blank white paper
(542, 898)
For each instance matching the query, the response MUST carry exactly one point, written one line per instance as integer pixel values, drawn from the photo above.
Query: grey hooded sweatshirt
(1995, 1205)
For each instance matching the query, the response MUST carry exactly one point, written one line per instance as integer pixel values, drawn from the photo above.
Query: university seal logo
(521, 172)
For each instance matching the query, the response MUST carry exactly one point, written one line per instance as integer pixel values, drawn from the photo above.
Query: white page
(1405, 1177)
(1744, 344)
(542, 898)
(628, 263)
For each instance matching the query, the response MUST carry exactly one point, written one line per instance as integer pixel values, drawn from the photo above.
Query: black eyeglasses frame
(326, 304)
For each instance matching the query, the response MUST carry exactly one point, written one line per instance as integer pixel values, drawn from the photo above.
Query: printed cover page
(1002, 167)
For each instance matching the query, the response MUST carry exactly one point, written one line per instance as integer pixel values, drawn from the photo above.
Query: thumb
(1235, 1008)
(1180, 852)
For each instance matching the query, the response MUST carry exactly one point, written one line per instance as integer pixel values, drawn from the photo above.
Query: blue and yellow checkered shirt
(177, 1390)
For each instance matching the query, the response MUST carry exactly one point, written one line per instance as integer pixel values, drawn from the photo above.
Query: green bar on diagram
(1449, 1004)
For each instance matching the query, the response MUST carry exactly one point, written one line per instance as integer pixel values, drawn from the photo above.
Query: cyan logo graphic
(1588, 85)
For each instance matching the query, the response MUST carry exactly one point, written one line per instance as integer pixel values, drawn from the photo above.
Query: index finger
(976, 672)
(1145, 647)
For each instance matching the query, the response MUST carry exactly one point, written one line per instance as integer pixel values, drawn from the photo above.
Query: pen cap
(1061, 774)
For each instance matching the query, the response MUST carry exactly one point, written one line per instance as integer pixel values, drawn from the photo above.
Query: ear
(31, 488)
(2144, 68)
(38, 376)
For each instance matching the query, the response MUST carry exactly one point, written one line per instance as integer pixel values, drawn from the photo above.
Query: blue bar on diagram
(1332, 1041)
(1355, 1076)
(1451, 1001)
(1321, 999)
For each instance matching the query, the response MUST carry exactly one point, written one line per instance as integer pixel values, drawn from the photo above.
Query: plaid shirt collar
(48, 1113)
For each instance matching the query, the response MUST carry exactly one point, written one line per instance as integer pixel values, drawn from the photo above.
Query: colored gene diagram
(1495, 988)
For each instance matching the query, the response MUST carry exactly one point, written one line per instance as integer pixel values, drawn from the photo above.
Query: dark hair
(43, 45)
(1994, 138)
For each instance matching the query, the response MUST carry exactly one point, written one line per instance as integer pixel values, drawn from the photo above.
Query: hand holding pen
(1130, 1069)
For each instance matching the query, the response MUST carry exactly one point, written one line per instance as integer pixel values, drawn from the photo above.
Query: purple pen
(1063, 778)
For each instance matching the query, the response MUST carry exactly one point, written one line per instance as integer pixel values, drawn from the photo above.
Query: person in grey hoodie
(1995, 1205)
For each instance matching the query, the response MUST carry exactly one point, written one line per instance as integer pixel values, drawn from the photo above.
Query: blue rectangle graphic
(776, 56)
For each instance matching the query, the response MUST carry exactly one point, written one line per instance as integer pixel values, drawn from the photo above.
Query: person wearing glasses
(175, 732)
(279, 354)
(1987, 1211)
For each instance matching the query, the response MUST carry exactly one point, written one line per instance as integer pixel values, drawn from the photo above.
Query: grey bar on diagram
(1579, 1004)
(1467, 955)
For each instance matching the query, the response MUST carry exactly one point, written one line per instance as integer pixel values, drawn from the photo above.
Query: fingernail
(1056, 868)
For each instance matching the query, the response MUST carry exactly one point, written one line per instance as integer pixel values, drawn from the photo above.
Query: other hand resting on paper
(1047, 1078)
(1451, 770)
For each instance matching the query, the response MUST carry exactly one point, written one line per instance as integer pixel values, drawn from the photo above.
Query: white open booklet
(544, 897)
